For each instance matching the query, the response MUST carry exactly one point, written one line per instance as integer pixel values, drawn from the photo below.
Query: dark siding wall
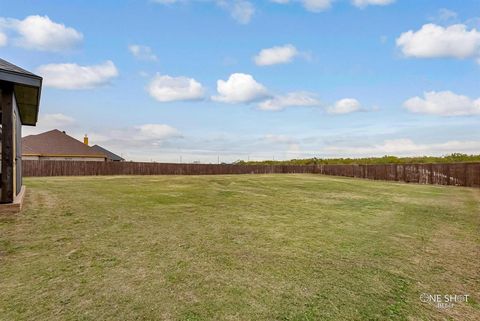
(18, 155)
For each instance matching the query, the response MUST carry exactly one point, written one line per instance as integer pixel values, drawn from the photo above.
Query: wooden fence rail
(456, 174)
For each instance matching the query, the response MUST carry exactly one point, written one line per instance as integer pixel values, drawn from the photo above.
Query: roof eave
(28, 108)
(21, 79)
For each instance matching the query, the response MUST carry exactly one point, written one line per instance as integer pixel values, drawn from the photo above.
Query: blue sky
(159, 80)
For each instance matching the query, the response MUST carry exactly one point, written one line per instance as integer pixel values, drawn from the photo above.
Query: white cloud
(322, 5)
(446, 15)
(279, 139)
(292, 146)
(433, 41)
(136, 137)
(41, 33)
(3, 39)
(276, 55)
(239, 88)
(242, 11)
(472, 22)
(156, 132)
(293, 99)
(344, 106)
(166, 88)
(142, 52)
(48, 122)
(443, 103)
(317, 5)
(405, 147)
(55, 120)
(73, 76)
(364, 3)
(142, 142)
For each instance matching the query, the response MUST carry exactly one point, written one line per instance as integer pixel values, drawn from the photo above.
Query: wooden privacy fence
(457, 174)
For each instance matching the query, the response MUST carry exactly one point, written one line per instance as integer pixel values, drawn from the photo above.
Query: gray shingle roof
(110, 155)
(9, 67)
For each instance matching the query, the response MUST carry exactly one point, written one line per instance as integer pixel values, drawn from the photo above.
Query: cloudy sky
(236, 79)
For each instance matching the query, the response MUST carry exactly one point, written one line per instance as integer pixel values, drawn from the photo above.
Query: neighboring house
(111, 157)
(57, 145)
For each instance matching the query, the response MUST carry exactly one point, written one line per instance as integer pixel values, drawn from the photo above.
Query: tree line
(452, 158)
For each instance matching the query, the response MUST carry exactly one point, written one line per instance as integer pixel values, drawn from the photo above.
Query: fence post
(431, 174)
(448, 174)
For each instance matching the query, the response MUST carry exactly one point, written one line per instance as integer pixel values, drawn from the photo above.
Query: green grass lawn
(245, 247)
